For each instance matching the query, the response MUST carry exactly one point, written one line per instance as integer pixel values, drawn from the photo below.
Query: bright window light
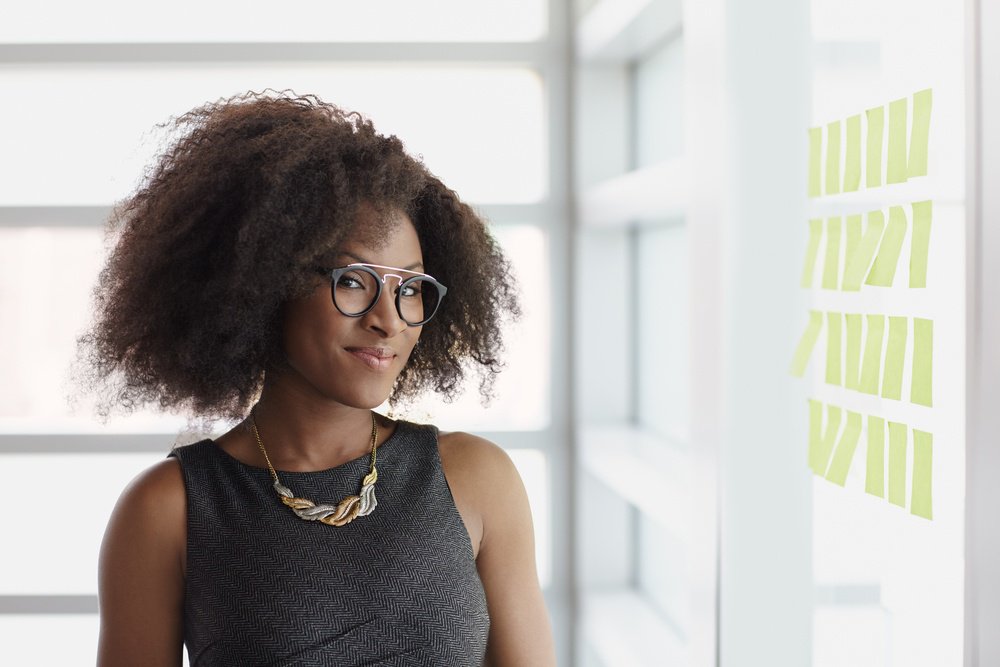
(117, 21)
(83, 134)
(85, 487)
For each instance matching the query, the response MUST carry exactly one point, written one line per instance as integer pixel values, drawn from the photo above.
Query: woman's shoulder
(476, 457)
(142, 569)
(155, 494)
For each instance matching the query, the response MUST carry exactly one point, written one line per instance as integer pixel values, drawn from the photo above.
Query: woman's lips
(376, 358)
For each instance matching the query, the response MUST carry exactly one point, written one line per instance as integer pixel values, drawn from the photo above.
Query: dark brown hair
(226, 227)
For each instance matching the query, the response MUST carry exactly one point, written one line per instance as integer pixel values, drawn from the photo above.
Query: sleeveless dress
(396, 587)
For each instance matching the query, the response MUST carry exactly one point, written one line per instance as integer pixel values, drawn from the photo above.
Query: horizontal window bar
(463, 52)
(132, 443)
(48, 604)
(96, 216)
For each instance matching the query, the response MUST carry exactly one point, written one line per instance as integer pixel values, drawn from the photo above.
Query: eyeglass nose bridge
(391, 275)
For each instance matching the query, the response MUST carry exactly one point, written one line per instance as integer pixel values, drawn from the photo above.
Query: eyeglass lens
(356, 291)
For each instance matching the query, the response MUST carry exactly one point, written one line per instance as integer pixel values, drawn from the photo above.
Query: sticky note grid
(883, 146)
(858, 252)
(834, 436)
(888, 356)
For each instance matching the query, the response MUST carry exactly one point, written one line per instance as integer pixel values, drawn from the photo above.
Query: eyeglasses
(356, 289)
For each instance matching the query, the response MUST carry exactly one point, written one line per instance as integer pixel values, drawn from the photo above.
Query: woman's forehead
(391, 240)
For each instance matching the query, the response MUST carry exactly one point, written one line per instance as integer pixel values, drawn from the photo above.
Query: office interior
(753, 396)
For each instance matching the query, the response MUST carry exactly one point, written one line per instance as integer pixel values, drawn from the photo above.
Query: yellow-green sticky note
(833, 346)
(852, 360)
(883, 269)
(821, 448)
(920, 239)
(833, 157)
(852, 155)
(895, 165)
(831, 265)
(815, 431)
(875, 471)
(812, 250)
(923, 362)
(873, 146)
(916, 163)
(895, 353)
(815, 161)
(844, 453)
(852, 234)
(897, 464)
(860, 260)
(920, 502)
(871, 365)
(806, 343)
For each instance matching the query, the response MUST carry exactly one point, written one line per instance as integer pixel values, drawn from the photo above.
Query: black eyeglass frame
(380, 279)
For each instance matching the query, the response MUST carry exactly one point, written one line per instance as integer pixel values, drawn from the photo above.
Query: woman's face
(355, 360)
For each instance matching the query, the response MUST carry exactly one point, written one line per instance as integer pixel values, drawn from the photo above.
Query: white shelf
(624, 630)
(637, 197)
(622, 30)
(649, 472)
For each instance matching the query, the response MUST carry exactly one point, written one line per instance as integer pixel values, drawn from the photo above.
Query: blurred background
(697, 397)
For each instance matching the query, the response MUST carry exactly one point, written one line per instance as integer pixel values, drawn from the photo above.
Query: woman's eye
(411, 290)
(350, 282)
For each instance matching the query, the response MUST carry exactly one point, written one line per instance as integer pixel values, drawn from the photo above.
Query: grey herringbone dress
(396, 587)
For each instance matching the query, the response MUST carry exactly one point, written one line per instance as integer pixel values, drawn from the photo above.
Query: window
(463, 85)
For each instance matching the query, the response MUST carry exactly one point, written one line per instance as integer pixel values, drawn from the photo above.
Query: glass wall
(889, 497)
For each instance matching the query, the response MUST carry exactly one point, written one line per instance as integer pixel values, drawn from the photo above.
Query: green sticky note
(821, 448)
(831, 265)
(916, 163)
(815, 160)
(852, 360)
(920, 503)
(871, 365)
(895, 164)
(860, 260)
(852, 155)
(895, 353)
(844, 453)
(812, 250)
(833, 158)
(806, 343)
(852, 233)
(873, 147)
(815, 431)
(875, 471)
(923, 361)
(883, 270)
(920, 239)
(833, 345)
(897, 464)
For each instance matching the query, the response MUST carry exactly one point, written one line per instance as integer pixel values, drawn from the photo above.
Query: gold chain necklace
(343, 512)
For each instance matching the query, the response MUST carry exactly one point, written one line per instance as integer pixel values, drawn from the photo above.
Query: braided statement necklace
(343, 512)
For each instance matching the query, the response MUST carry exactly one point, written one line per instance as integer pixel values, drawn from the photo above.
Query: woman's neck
(302, 431)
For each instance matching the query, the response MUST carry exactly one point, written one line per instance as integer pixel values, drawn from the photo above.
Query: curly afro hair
(226, 227)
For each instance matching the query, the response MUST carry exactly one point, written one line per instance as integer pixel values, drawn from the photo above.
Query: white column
(982, 579)
(748, 85)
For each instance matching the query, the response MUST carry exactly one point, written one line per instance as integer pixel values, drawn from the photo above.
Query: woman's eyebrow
(362, 260)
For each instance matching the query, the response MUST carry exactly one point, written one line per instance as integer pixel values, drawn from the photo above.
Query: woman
(287, 267)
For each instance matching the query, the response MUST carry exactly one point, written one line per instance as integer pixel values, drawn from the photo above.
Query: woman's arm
(141, 572)
(491, 497)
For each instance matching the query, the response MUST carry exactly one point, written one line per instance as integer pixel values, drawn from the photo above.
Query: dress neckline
(400, 425)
